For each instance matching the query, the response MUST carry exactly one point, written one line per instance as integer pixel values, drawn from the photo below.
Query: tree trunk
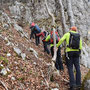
(51, 15)
(63, 17)
(70, 13)
(53, 23)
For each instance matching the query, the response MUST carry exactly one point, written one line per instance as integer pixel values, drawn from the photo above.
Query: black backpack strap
(74, 40)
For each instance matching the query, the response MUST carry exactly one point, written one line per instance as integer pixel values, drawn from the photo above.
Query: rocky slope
(35, 10)
(30, 73)
(22, 64)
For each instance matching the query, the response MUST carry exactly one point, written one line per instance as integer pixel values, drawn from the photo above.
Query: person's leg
(31, 35)
(69, 63)
(59, 64)
(78, 72)
(52, 51)
(36, 40)
(46, 48)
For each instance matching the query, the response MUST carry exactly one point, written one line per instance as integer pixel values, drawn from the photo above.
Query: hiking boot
(72, 88)
(78, 87)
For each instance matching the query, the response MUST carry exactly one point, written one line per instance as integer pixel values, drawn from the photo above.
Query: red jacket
(41, 34)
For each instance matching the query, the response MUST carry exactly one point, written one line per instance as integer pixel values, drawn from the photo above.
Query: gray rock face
(15, 10)
(87, 85)
(85, 60)
(20, 30)
(6, 26)
(5, 20)
(81, 10)
(17, 50)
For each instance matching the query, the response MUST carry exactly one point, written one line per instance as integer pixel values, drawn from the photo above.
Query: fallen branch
(63, 79)
(45, 79)
(3, 84)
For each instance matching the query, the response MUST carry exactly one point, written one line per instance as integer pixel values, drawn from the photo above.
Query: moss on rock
(87, 77)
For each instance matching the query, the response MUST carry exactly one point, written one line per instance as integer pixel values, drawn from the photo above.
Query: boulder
(3, 71)
(8, 54)
(34, 52)
(23, 55)
(17, 50)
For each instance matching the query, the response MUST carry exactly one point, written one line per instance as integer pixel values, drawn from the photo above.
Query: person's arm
(47, 38)
(61, 41)
(80, 44)
(39, 34)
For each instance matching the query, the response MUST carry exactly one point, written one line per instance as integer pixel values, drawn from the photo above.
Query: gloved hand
(43, 40)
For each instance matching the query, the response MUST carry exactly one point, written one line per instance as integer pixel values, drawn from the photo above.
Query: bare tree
(49, 12)
(63, 16)
(70, 13)
(53, 23)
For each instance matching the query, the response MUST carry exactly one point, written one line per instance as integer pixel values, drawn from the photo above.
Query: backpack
(57, 37)
(37, 28)
(74, 40)
(45, 35)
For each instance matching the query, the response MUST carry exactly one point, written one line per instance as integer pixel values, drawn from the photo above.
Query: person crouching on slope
(35, 30)
(73, 49)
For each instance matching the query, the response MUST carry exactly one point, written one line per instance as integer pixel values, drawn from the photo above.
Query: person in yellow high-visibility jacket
(58, 63)
(72, 58)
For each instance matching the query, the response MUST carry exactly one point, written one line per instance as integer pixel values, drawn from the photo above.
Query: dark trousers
(37, 40)
(58, 64)
(32, 34)
(73, 59)
(46, 48)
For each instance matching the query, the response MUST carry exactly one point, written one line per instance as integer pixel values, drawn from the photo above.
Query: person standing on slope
(73, 50)
(43, 35)
(58, 63)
